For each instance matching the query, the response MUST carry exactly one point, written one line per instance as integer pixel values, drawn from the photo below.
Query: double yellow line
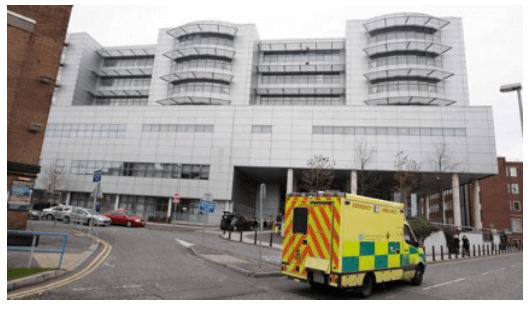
(92, 266)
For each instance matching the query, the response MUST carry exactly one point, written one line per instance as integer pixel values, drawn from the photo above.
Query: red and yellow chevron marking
(336, 236)
(319, 230)
(288, 223)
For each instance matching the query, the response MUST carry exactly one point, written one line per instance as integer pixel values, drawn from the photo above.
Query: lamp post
(513, 87)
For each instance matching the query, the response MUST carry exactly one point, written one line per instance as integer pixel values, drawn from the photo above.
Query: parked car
(35, 214)
(85, 216)
(240, 223)
(125, 217)
(56, 212)
(225, 222)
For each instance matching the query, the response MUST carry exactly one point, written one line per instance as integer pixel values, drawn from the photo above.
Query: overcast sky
(493, 39)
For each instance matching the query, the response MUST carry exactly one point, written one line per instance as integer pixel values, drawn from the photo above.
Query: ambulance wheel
(418, 276)
(367, 285)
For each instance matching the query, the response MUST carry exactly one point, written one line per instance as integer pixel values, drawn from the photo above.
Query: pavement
(80, 247)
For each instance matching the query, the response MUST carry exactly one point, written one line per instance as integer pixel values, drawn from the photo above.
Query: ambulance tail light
(333, 279)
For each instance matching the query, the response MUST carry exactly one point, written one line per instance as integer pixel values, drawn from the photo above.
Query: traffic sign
(176, 198)
(97, 176)
(207, 206)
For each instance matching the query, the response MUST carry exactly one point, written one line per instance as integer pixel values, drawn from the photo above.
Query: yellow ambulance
(348, 241)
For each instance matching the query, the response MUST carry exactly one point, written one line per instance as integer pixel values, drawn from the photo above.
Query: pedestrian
(465, 244)
(456, 245)
(279, 221)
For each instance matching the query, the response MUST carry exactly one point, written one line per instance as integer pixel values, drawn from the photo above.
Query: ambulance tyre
(367, 285)
(418, 276)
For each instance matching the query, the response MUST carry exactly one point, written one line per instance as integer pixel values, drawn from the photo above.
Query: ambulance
(348, 241)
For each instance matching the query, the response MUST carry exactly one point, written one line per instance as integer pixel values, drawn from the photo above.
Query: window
(516, 206)
(517, 225)
(515, 188)
(409, 237)
(300, 220)
(513, 171)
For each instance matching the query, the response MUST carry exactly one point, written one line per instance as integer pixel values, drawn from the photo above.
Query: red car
(125, 217)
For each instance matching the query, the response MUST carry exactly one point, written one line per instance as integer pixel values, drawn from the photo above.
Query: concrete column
(456, 201)
(169, 210)
(67, 199)
(427, 208)
(117, 200)
(354, 182)
(290, 181)
(413, 205)
(477, 220)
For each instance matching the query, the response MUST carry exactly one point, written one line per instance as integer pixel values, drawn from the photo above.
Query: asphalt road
(150, 264)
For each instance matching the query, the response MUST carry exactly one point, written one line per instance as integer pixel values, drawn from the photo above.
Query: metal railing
(32, 249)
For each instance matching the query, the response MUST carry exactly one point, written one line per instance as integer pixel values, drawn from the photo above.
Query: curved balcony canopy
(120, 93)
(202, 28)
(200, 51)
(299, 91)
(276, 68)
(194, 75)
(410, 100)
(191, 100)
(293, 46)
(127, 52)
(124, 72)
(405, 21)
(408, 74)
(406, 48)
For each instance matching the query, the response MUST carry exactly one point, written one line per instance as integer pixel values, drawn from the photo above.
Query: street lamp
(513, 87)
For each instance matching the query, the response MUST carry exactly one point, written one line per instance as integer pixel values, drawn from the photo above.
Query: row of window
(121, 101)
(261, 129)
(296, 56)
(347, 130)
(511, 171)
(86, 130)
(206, 39)
(202, 63)
(410, 60)
(320, 78)
(411, 85)
(141, 169)
(125, 81)
(300, 100)
(212, 87)
(128, 62)
(513, 188)
(177, 128)
(405, 35)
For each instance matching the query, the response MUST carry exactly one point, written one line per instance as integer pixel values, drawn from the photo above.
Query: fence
(474, 251)
(34, 234)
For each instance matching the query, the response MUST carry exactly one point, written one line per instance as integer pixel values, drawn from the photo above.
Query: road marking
(89, 269)
(445, 283)
(86, 289)
(493, 271)
(129, 286)
(184, 243)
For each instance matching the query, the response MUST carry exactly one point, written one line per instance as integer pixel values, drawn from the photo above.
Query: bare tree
(406, 179)
(54, 180)
(321, 174)
(368, 181)
(443, 164)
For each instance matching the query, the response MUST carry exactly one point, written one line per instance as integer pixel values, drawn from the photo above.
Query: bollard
(241, 231)
(223, 232)
(230, 235)
(474, 253)
(255, 242)
(433, 254)
(271, 239)
(483, 252)
(450, 257)
(457, 252)
(463, 252)
(499, 248)
(425, 253)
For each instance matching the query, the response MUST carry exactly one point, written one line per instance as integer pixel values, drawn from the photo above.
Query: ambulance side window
(409, 239)
(300, 220)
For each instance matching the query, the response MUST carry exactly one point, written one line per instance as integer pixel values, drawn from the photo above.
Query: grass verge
(19, 272)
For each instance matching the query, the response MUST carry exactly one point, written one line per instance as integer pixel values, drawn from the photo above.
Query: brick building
(35, 39)
(501, 200)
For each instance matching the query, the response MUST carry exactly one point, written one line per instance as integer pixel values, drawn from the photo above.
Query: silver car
(56, 212)
(85, 216)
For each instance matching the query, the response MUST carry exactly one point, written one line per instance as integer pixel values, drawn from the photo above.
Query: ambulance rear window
(300, 220)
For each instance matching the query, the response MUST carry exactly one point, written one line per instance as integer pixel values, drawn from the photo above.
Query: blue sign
(97, 176)
(207, 206)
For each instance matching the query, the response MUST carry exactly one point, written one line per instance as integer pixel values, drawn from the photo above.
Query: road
(150, 264)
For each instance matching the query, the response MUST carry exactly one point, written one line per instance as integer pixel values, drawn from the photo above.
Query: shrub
(421, 227)
(449, 232)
